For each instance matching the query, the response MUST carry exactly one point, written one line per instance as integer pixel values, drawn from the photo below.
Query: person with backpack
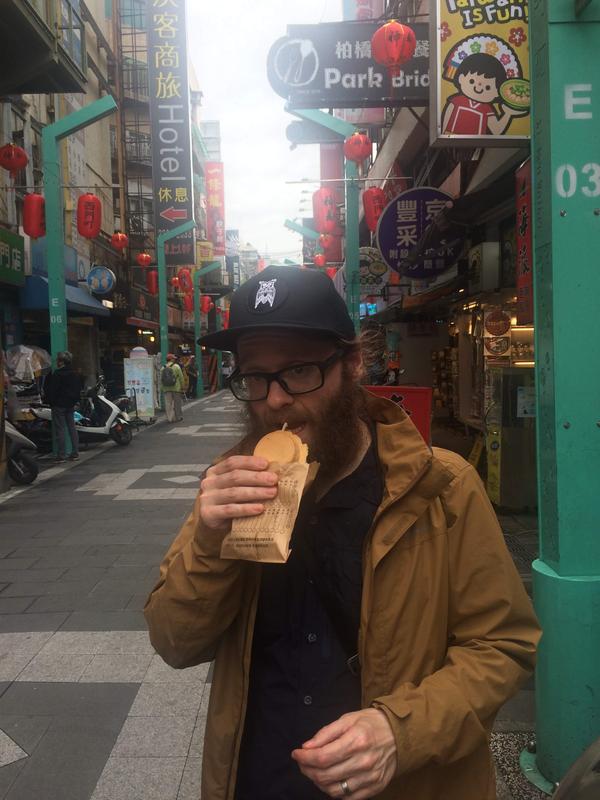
(171, 384)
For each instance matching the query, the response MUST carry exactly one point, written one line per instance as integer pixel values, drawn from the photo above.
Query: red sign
(415, 400)
(524, 246)
(215, 205)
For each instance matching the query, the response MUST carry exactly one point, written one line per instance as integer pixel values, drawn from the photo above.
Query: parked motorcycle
(22, 465)
(97, 419)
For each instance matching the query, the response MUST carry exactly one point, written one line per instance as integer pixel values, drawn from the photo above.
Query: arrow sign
(174, 214)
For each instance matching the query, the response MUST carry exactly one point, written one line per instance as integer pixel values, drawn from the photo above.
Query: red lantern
(13, 158)
(225, 320)
(211, 306)
(205, 304)
(331, 272)
(185, 280)
(34, 219)
(374, 201)
(175, 282)
(319, 260)
(393, 45)
(326, 240)
(89, 216)
(144, 259)
(152, 281)
(119, 240)
(188, 303)
(358, 147)
(325, 211)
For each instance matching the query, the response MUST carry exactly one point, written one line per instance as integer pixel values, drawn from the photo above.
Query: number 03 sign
(569, 180)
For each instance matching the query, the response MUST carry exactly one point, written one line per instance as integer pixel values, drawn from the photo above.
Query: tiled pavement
(87, 710)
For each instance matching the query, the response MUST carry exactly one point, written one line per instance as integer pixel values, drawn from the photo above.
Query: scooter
(22, 465)
(97, 419)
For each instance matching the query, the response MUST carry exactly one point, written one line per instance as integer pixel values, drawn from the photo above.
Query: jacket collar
(413, 478)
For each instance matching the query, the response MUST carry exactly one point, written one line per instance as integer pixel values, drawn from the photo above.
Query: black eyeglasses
(300, 378)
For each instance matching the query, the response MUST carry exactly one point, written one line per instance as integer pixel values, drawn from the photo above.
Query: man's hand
(236, 487)
(358, 748)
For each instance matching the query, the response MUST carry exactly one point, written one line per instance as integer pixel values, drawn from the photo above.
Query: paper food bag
(267, 537)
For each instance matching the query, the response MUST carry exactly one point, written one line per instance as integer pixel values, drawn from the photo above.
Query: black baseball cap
(288, 298)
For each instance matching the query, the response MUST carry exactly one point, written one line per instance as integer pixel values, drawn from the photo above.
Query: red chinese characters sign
(215, 205)
(170, 121)
(524, 246)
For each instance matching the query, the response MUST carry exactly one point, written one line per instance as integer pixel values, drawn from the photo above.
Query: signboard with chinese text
(330, 66)
(215, 205)
(480, 60)
(524, 246)
(374, 272)
(144, 306)
(12, 258)
(170, 124)
(401, 226)
(139, 378)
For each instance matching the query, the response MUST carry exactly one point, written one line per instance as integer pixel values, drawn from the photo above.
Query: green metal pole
(301, 229)
(55, 233)
(566, 187)
(352, 212)
(199, 273)
(163, 310)
(352, 244)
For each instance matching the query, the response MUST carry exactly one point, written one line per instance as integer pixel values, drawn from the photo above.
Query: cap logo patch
(266, 293)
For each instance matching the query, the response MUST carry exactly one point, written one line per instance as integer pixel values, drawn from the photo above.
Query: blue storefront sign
(101, 280)
(402, 224)
(39, 260)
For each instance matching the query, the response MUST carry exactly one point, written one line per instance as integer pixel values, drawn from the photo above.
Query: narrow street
(87, 710)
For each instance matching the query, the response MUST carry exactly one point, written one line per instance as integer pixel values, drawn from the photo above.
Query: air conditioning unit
(484, 267)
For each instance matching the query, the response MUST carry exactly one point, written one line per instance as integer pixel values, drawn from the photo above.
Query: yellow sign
(204, 251)
(481, 94)
(493, 448)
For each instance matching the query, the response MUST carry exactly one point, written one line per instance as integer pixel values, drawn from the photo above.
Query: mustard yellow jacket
(447, 632)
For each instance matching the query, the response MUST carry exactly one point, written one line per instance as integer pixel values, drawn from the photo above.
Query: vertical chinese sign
(170, 123)
(524, 246)
(481, 89)
(215, 205)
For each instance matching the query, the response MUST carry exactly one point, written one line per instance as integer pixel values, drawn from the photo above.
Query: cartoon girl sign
(490, 89)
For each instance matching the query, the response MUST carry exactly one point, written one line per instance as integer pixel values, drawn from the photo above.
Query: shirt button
(307, 700)
(312, 637)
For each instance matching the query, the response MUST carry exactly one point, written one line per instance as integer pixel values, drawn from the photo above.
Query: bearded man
(372, 663)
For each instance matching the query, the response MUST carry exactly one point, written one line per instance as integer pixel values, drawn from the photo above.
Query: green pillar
(55, 231)
(163, 310)
(198, 349)
(566, 185)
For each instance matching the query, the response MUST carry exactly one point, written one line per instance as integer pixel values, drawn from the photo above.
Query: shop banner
(215, 205)
(139, 378)
(330, 66)
(402, 224)
(480, 59)
(12, 258)
(374, 273)
(170, 125)
(524, 246)
(143, 305)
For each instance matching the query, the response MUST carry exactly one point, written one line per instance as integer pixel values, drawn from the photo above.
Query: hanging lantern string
(355, 180)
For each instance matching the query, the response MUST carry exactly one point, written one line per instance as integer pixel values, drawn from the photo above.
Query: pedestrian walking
(192, 372)
(373, 662)
(62, 391)
(171, 380)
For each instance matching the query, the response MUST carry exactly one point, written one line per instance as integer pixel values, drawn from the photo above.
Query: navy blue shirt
(299, 679)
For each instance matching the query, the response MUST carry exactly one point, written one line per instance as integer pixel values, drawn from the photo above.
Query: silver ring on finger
(345, 788)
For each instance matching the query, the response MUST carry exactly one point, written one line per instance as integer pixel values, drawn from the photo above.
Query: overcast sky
(229, 41)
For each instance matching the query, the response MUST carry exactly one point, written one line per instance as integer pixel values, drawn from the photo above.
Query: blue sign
(39, 260)
(101, 280)
(401, 226)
